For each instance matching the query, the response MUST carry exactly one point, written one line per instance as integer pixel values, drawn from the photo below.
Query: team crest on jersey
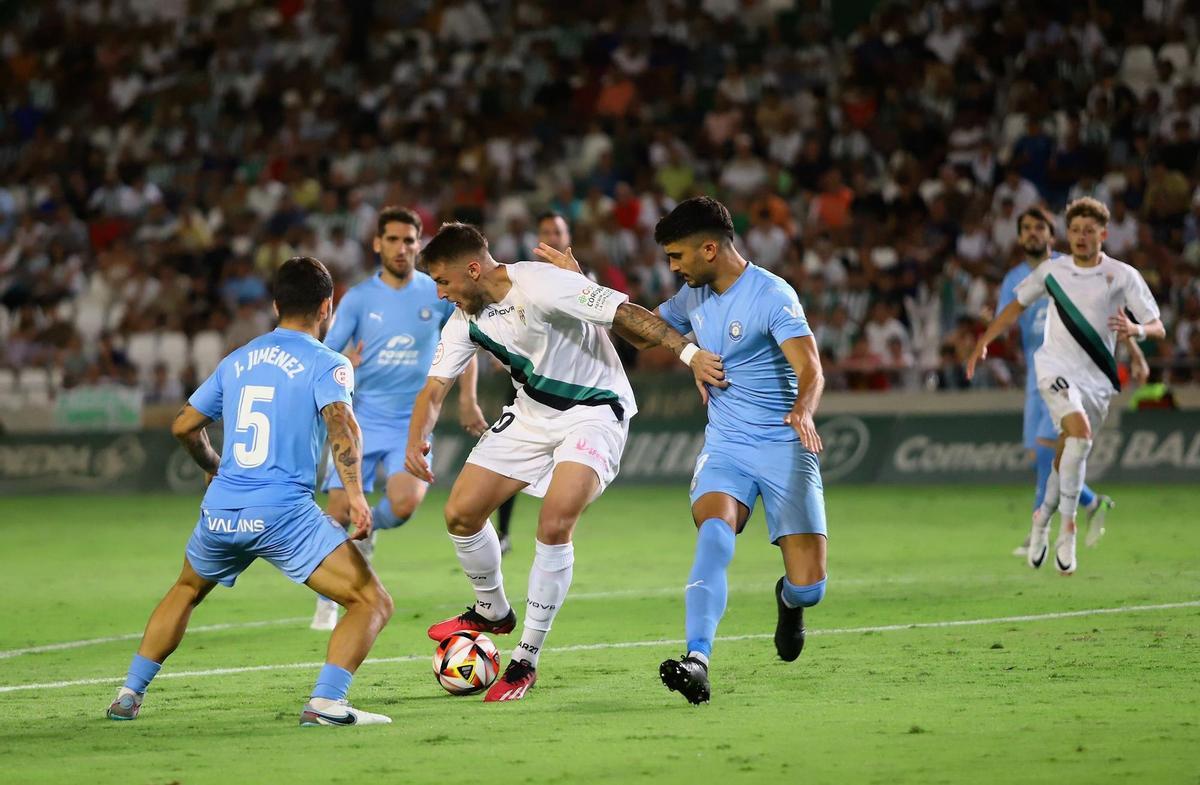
(735, 331)
(1108, 277)
(521, 314)
(426, 314)
(341, 375)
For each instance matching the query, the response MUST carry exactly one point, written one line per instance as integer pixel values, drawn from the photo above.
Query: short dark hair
(453, 241)
(1037, 213)
(698, 215)
(301, 284)
(393, 213)
(547, 215)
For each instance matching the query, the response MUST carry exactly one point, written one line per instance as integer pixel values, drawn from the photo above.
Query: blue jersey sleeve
(1008, 289)
(675, 311)
(334, 384)
(785, 315)
(207, 398)
(447, 310)
(345, 323)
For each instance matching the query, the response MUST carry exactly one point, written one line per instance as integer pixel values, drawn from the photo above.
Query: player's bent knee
(462, 522)
(404, 507)
(556, 529)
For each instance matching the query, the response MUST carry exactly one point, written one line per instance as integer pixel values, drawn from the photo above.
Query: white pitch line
(595, 595)
(633, 644)
(130, 636)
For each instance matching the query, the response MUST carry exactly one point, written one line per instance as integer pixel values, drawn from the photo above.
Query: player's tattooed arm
(345, 445)
(425, 413)
(644, 329)
(188, 428)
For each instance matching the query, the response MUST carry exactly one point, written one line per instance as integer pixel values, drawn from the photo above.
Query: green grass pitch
(1092, 697)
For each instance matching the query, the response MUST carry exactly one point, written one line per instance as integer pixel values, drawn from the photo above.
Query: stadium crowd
(157, 164)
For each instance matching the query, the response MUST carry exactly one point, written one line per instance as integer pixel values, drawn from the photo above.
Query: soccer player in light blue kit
(388, 326)
(1035, 233)
(760, 440)
(273, 394)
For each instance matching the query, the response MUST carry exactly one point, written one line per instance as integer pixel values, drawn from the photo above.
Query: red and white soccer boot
(518, 677)
(472, 620)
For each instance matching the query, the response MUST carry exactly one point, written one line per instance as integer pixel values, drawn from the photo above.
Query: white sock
(549, 580)
(479, 555)
(1041, 516)
(699, 656)
(1072, 468)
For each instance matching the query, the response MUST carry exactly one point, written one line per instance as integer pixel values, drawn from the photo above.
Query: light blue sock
(332, 683)
(382, 517)
(802, 596)
(1086, 496)
(1043, 459)
(141, 672)
(707, 586)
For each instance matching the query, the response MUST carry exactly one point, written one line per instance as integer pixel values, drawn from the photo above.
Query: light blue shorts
(1038, 423)
(784, 474)
(384, 445)
(296, 539)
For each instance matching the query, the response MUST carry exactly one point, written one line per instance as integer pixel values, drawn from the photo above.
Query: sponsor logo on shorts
(588, 450)
(234, 526)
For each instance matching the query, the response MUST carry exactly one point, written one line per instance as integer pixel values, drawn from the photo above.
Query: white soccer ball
(466, 662)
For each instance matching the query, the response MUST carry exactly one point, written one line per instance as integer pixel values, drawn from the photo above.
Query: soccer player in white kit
(1092, 297)
(561, 440)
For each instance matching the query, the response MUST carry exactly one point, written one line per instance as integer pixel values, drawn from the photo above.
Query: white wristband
(1141, 332)
(688, 353)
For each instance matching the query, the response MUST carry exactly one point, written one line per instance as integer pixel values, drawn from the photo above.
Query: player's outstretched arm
(805, 358)
(636, 321)
(345, 444)
(999, 326)
(188, 428)
(425, 413)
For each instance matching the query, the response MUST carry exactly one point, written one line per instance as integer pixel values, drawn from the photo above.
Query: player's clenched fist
(415, 462)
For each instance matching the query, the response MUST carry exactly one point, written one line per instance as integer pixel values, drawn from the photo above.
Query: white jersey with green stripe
(548, 331)
(1082, 299)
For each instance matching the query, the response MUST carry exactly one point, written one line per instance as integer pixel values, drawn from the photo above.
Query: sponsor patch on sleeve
(343, 376)
(595, 297)
(438, 352)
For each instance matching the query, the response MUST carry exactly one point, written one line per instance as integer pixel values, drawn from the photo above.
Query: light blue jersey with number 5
(270, 394)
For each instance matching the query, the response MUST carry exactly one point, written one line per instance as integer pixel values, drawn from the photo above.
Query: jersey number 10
(254, 454)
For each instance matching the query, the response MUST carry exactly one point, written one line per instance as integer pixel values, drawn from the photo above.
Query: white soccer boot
(323, 711)
(325, 618)
(1064, 550)
(1039, 540)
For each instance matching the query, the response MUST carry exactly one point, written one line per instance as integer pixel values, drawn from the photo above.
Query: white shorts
(1065, 393)
(529, 440)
